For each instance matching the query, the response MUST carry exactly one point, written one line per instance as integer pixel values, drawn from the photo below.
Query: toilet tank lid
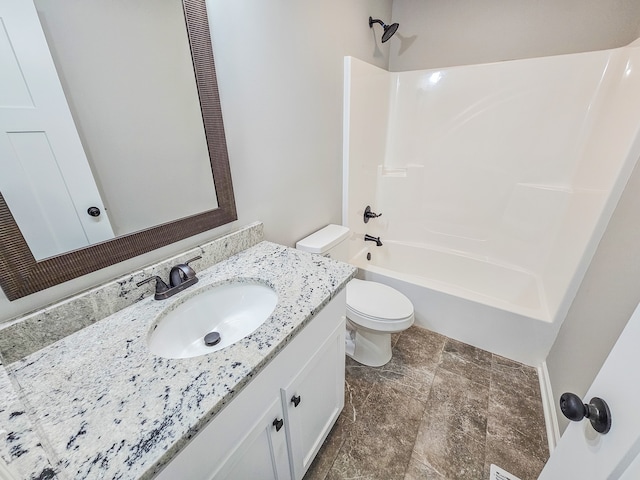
(324, 239)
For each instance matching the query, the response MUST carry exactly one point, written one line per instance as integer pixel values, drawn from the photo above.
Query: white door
(44, 174)
(584, 454)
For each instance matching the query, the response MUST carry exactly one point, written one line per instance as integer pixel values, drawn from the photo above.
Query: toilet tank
(330, 241)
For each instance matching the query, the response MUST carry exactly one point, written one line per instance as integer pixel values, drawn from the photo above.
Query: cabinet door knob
(93, 211)
(295, 400)
(597, 411)
(278, 424)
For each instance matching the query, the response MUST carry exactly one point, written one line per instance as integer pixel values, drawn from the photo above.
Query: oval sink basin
(232, 310)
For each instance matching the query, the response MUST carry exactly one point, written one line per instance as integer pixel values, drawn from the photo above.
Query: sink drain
(211, 339)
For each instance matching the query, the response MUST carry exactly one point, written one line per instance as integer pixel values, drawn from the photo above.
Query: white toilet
(374, 310)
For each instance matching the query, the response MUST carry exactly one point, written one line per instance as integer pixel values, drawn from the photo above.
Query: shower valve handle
(369, 214)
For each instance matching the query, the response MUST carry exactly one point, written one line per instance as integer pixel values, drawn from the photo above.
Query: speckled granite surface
(20, 446)
(105, 407)
(32, 332)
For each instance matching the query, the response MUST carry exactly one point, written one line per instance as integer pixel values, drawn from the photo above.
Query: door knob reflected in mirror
(94, 211)
(597, 411)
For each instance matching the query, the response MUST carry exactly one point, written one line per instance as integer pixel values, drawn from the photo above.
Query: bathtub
(505, 287)
(497, 307)
(496, 183)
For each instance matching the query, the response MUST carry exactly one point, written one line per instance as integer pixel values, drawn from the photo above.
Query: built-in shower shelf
(392, 171)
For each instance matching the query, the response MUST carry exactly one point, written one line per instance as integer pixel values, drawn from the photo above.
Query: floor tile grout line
(425, 403)
(468, 360)
(485, 453)
(415, 437)
(479, 350)
(482, 443)
(344, 440)
(440, 367)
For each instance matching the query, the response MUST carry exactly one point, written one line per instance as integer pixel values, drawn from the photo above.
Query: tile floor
(439, 410)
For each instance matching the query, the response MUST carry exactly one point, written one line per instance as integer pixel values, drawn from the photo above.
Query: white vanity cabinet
(275, 426)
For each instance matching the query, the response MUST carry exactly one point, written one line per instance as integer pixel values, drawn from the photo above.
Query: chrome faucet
(180, 277)
(370, 238)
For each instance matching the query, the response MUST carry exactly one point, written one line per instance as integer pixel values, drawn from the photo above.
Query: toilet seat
(378, 307)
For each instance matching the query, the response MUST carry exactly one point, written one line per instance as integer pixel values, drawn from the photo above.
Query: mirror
(24, 274)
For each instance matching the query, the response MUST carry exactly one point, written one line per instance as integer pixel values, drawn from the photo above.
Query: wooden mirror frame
(21, 274)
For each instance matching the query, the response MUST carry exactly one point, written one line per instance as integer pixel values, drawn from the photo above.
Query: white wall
(609, 291)
(367, 100)
(280, 71)
(438, 33)
(604, 303)
(281, 80)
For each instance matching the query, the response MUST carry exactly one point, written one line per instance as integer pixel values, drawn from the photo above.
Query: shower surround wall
(496, 182)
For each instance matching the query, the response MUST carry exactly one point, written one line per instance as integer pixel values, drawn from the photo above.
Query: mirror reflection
(113, 140)
(22, 274)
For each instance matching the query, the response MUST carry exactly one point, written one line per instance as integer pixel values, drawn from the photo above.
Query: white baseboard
(549, 407)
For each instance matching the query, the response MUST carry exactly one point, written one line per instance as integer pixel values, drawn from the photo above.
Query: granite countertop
(105, 407)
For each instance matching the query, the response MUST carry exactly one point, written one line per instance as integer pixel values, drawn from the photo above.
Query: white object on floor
(350, 345)
(496, 473)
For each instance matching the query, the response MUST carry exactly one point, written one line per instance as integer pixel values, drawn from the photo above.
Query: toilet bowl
(374, 310)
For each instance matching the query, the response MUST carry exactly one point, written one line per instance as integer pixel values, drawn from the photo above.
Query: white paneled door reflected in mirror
(96, 123)
(112, 141)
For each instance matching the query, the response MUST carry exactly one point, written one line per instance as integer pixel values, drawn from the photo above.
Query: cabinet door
(313, 401)
(262, 454)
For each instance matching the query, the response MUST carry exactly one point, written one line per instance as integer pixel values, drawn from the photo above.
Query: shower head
(389, 30)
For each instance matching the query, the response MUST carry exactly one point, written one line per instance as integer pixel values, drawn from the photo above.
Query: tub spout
(370, 238)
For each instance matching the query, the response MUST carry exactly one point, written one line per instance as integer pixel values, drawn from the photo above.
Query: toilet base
(368, 348)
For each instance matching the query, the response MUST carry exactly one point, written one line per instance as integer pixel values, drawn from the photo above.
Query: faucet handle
(182, 273)
(193, 259)
(161, 286)
(369, 214)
